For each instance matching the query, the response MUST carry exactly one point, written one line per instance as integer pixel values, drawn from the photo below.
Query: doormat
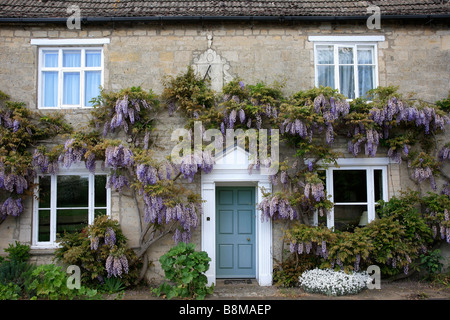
(246, 281)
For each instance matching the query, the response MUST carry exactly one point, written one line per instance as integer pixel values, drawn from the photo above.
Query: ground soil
(242, 290)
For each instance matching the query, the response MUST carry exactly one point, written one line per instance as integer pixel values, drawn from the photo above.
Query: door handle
(248, 239)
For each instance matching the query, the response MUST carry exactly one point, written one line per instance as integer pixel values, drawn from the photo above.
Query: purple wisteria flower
(110, 237)
(276, 208)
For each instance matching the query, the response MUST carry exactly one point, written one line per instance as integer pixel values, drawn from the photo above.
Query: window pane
(350, 186)
(366, 79)
(71, 88)
(44, 192)
(378, 184)
(100, 190)
(345, 55)
(347, 218)
(72, 58)
(99, 213)
(92, 86)
(347, 81)
(50, 88)
(326, 76)
(365, 55)
(71, 220)
(72, 191)
(93, 58)
(325, 55)
(51, 59)
(44, 225)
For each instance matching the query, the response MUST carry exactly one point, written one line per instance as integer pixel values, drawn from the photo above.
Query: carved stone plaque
(212, 66)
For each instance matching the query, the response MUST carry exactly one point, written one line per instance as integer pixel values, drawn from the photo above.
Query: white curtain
(346, 72)
(365, 71)
(72, 59)
(50, 83)
(325, 68)
(92, 86)
(93, 58)
(51, 59)
(71, 88)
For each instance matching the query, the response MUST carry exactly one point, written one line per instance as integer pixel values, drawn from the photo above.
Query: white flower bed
(333, 283)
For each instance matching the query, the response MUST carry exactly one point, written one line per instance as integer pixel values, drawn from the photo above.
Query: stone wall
(415, 56)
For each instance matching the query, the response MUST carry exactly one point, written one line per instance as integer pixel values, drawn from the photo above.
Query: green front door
(235, 232)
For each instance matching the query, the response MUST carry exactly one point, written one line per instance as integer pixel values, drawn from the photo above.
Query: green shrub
(18, 252)
(393, 242)
(184, 268)
(50, 282)
(15, 272)
(431, 262)
(10, 291)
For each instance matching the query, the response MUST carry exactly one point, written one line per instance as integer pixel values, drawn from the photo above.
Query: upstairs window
(69, 77)
(346, 63)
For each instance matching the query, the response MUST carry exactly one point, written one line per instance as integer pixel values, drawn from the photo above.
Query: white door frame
(236, 175)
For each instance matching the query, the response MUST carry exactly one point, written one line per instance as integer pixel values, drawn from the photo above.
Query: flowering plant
(101, 251)
(20, 129)
(333, 283)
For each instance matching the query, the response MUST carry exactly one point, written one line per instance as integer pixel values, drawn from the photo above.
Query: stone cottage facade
(138, 43)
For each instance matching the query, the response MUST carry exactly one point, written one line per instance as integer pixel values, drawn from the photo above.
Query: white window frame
(367, 164)
(76, 169)
(347, 41)
(60, 69)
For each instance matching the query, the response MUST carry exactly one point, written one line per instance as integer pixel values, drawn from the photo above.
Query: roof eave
(220, 18)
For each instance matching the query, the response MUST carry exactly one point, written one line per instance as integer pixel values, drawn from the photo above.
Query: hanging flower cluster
(116, 266)
(8, 122)
(11, 207)
(73, 152)
(191, 164)
(42, 163)
(422, 169)
(396, 112)
(317, 190)
(370, 138)
(12, 182)
(186, 214)
(444, 153)
(14, 185)
(118, 157)
(320, 249)
(276, 207)
(127, 112)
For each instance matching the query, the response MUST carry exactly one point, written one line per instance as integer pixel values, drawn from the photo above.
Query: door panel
(235, 232)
